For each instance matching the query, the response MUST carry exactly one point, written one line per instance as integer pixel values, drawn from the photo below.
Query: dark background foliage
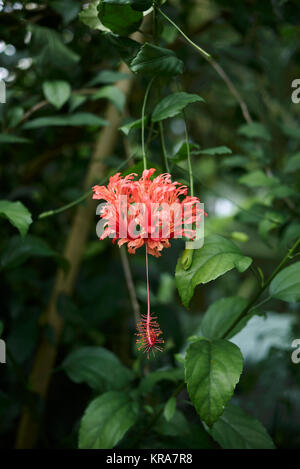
(257, 43)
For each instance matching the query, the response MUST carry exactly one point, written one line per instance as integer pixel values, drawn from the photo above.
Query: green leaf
(235, 161)
(212, 370)
(136, 124)
(57, 92)
(9, 138)
(19, 249)
(255, 130)
(148, 383)
(17, 214)
(173, 104)
(170, 408)
(293, 163)
(282, 191)
(114, 94)
(49, 50)
(126, 47)
(291, 131)
(286, 285)
(237, 430)
(221, 315)
(108, 76)
(258, 179)
(14, 115)
(271, 220)
(76, 101)
(76, 119)
(106, 420)
(120, 19)
(215, 258)
(222, 150)
(68, 9)
(181, 153)
(153, 60)
(90, 16)
(97, 367)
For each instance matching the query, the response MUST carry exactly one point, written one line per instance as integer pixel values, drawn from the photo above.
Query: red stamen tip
(148, 335)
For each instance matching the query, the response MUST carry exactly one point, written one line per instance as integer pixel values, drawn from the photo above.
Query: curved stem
(202, 51)
(220, 71)
(143, 121)
(49, 213)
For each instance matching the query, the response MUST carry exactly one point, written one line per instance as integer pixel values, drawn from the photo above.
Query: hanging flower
(146, 211)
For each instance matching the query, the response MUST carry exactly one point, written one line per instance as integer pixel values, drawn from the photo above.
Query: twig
(221, 72)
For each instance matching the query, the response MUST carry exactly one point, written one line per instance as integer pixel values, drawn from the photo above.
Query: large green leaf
(286, 285)
(153, 60)
(221, 315)
(212, 370)
(237, 430)
(17, 214)
(57, 92)
(114, 94)
(173, 104)
(217, 256)
(119, 18)
(77, 119)
(106, 420)
(97, 367)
